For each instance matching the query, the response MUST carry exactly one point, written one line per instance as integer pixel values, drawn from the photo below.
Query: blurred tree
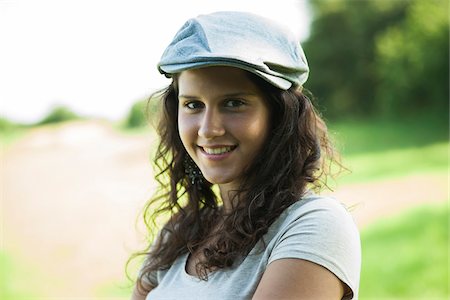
(136, 116)
(142, 112)
(7, 125)
(59, 114)
(413, 60)
(357, 50)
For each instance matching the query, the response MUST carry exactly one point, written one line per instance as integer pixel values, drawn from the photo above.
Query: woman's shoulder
(319, 229)
(322, 219)
(317, 207)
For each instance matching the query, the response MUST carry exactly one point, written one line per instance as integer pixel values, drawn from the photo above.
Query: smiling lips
(218, 150)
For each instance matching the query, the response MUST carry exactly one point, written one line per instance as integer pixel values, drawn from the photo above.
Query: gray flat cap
(238, 39)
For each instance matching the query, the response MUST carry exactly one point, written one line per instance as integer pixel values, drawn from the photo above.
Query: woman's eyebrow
(228, 95)
(187, 97)
(239, 94)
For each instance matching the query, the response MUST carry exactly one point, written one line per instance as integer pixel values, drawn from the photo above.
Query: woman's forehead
(226, 78)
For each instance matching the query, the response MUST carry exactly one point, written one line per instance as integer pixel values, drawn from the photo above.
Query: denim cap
(237, 39)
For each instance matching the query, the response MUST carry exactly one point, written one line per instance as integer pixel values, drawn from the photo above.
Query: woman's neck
(228, 195)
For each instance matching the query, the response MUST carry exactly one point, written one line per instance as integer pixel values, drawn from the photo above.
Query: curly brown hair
(297, 156)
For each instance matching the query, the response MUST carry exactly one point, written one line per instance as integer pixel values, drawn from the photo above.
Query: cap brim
(279, 82)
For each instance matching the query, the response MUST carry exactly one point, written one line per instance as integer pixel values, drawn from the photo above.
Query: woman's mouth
(218, 150)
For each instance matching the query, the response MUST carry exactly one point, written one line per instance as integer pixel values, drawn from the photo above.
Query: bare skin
(298, 279)
(223, 121)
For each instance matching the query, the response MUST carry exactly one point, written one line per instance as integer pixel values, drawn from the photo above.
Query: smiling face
(223, 121)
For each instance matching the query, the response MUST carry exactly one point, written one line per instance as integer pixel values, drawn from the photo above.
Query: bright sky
(98, 57)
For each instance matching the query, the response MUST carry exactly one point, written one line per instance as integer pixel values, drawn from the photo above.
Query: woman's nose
(211, 125)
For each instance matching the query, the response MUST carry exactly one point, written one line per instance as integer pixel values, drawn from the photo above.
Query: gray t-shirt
(318, 229)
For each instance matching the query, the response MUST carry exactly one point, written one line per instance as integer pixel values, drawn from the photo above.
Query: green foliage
(10, 131)
(136, 116)
(142, 112)
(379, 57)
(57, 115)
(407, 257)
(7, 125)
(413, 61)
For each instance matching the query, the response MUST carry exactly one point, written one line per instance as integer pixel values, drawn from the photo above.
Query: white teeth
(217, 151)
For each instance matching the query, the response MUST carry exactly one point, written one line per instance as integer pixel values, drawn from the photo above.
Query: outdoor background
(73, 180)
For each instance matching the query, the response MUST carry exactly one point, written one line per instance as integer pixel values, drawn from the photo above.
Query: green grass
(383, 165)
(383, 149)
(406, 257)
(377, 135)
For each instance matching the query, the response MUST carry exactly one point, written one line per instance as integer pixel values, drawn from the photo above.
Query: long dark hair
(295, 158)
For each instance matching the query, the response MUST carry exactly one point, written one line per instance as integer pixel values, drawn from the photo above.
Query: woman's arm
(298, 279)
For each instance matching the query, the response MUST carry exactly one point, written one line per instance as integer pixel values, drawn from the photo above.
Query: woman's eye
(193, 105)
(234, 103)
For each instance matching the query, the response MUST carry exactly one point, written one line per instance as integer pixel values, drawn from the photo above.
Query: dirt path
(70, 196)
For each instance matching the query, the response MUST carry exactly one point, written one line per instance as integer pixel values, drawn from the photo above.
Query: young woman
(242, 149)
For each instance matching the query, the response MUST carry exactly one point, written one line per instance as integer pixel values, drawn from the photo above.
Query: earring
(193, 172)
